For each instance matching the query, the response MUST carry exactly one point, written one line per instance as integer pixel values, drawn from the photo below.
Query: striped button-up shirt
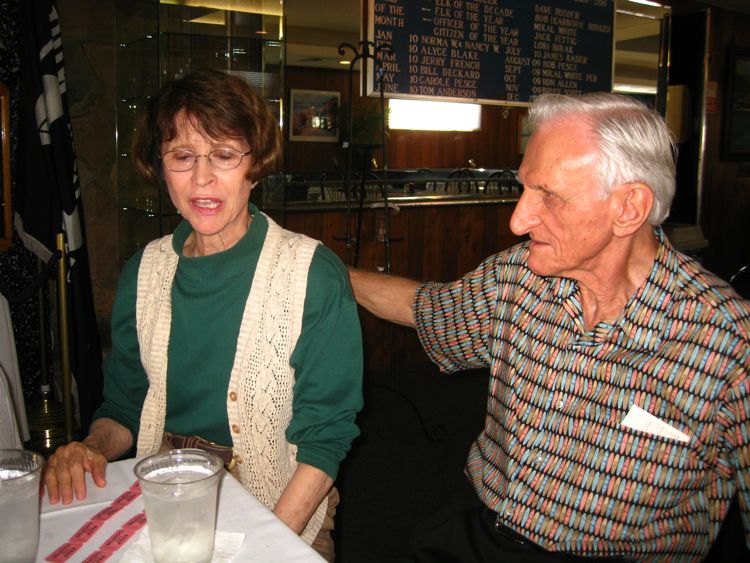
(554, 459)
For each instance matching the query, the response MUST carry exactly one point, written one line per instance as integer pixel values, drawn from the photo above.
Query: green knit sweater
(208, 297)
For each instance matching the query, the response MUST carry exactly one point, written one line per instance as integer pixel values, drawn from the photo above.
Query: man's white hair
(634, 142)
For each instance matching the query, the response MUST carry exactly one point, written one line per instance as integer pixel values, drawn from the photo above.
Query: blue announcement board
(492, 51)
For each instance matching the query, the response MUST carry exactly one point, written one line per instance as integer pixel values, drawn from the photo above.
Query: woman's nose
(202, 169)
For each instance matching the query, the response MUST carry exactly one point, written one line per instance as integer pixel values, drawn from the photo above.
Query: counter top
(408, 188)
(399, 199)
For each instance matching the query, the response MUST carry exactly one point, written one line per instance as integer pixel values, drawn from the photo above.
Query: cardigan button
(232, 396)
(235, 428)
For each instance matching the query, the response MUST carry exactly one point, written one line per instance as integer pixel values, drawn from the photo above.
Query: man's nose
(523, 217)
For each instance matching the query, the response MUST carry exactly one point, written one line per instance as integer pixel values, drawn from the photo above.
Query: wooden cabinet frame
(6, 233)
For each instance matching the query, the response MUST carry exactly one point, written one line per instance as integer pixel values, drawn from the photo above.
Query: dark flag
(48, 192)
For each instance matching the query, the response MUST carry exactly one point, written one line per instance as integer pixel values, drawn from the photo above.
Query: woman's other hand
(65, 471)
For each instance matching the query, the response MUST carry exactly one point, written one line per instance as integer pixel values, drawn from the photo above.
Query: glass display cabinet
(158, 41)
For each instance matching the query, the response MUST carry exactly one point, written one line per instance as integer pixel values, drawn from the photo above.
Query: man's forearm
(385, 296)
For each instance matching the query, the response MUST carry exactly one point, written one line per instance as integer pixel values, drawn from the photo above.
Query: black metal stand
(371, 51)
(366, 152)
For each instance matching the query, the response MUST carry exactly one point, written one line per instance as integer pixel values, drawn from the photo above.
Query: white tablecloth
(267, 539)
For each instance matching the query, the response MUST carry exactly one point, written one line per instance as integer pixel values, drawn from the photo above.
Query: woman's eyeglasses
(181, 160)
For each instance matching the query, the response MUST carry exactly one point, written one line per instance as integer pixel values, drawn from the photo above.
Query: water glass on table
(20, 471)
(180, 489)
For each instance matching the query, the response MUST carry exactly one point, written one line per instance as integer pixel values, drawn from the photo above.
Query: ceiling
(315, 29)
(734, 5)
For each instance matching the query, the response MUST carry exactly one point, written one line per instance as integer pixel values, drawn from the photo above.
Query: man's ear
(633, 202)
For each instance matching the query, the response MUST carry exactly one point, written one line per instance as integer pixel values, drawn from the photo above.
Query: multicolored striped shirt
(554, 459)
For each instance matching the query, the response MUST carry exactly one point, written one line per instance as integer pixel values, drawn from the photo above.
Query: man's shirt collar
(642, 320)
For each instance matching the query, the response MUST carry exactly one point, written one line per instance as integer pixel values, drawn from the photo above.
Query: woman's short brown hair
(220, 105)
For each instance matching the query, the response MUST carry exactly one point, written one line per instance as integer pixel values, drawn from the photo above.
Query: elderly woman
(231, 334)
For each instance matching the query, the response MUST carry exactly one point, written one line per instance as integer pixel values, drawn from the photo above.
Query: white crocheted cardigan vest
(259, 397)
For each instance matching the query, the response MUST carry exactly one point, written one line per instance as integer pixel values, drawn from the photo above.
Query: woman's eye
(223, 155)
(182, 156)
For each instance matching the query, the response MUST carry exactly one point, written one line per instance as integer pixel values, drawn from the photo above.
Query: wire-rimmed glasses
(182, 160)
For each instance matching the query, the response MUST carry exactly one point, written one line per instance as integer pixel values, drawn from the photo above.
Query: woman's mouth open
(206, 205)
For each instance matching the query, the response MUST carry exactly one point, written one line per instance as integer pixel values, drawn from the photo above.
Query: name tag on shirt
(639, 419)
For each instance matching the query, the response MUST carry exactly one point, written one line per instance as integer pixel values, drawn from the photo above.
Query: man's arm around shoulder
(385, 296)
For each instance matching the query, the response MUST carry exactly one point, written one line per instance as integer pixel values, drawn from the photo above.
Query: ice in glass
(20, 471)
(180, 489)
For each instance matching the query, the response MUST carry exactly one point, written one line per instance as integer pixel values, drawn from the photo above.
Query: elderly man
(618, 410)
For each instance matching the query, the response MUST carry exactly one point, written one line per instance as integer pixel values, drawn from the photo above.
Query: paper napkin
(226, 546)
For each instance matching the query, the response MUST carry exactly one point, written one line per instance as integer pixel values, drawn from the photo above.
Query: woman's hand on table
(65, 471)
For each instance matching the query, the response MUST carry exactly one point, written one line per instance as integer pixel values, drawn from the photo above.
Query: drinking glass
(180, 488)
(20, 471)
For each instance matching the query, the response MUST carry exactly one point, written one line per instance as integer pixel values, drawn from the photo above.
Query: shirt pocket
(651, 474)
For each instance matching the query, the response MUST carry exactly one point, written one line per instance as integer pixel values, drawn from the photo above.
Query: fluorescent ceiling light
(212, 18)
(433, 116)
(265, 7)
(638, 14)
(648, 3)
(634, 89)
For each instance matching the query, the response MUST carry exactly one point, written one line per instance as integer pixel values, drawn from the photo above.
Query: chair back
(333, 186)
(461, 180)
(296, 188)
(740, 281)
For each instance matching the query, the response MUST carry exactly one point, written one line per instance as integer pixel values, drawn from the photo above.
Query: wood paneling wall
(441, 243)
(429, 243)
(725, 209)
(495, 146)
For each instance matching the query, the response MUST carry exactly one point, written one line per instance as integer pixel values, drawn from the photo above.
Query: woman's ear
(634, 201)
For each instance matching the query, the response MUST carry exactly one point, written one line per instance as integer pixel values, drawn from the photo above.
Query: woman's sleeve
(328, 367)
(125, 381)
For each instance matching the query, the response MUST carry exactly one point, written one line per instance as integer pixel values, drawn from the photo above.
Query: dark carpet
(402, 469)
